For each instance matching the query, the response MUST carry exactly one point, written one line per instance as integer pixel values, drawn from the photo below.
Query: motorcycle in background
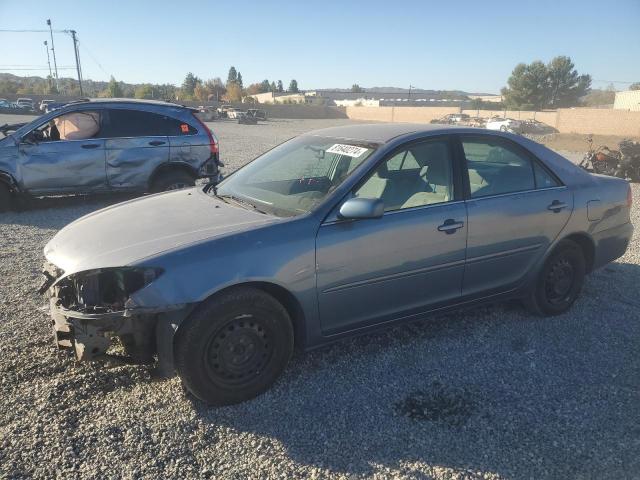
(624, 163)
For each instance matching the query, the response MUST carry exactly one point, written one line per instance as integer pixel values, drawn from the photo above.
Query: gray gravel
(488, 393)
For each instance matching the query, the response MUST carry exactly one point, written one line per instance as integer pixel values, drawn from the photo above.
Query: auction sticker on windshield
(349, 150)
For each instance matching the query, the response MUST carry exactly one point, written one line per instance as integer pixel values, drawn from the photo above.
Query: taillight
(629, 197)
(213, 144)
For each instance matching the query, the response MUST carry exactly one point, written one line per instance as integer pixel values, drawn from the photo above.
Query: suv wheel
(559, 282)
(234, 346)
(172, 180)
(6, 198)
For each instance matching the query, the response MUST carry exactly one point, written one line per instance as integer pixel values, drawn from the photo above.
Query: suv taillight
(213, 144)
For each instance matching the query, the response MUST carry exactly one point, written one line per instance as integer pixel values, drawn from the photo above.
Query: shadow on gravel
(34, 211)
(488, 390)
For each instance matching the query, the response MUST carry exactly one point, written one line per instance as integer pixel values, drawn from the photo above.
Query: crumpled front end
(89, 308)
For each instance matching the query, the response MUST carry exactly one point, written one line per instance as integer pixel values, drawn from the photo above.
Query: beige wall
(598, 121)
(565, 120)
(399, 114)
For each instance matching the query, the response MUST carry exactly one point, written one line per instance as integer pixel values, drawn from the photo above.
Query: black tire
(172, 180)
(503, 128)
(559, 282)
(6, 199)
(233, 346)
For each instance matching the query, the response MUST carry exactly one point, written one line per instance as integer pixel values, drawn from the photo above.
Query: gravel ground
(489, 393)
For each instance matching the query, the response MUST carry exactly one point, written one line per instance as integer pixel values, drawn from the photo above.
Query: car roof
(381, 132)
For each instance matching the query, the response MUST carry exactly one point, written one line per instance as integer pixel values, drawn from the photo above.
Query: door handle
(90, 145)
(156, 143)
(450, 226)
(556, 206)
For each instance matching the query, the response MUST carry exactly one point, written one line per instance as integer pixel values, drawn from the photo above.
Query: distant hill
(13, 84)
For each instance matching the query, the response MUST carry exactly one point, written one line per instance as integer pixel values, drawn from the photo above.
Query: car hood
(132, 231)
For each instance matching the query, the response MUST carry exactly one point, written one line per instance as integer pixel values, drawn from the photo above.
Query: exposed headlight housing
(104, 290)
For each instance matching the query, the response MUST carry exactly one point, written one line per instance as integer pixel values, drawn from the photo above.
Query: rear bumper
(611, 244)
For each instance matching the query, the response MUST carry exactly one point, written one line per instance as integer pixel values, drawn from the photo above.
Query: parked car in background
(105, 145)
(223, 110)
(257, 114)
(54, 106)
(207, 114)
(329, 235)
(4, 103)
(235, 113)
(504, 125)
(43, 105)
(25, 103)
(451, 119)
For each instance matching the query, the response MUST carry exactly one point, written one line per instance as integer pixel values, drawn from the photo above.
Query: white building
(628, 100)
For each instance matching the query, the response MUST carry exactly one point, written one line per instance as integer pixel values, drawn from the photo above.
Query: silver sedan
(331, 234)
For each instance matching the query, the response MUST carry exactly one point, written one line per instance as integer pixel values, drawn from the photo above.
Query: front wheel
(234, 346)
(559, 282)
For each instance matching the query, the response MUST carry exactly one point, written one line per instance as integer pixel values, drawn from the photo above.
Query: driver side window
(417, 176)
(68, 126)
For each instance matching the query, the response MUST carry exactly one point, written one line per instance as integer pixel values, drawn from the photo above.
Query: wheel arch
(171, 167)
(287, 299)
(8, 180)
(587, 245)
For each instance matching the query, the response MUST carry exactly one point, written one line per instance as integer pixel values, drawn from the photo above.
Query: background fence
(565, 120)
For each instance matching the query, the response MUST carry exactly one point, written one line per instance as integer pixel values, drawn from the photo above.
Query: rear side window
(136, 123)
(495, 168)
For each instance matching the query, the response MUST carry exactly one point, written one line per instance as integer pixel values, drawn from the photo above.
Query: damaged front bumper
(88, 330)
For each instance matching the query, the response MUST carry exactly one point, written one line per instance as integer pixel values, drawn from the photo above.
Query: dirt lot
(487, 393)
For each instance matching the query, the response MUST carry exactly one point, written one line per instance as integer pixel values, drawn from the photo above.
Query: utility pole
(46, 47)
(410, 87)
(55, 64)
(75, 49)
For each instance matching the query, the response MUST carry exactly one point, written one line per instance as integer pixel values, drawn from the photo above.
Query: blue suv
(106, 145)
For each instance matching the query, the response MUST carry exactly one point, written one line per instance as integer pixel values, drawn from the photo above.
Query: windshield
(296, 176)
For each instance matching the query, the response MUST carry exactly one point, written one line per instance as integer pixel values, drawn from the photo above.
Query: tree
(201, 92)
(265, 86)
(239, 80)
(114, 89)
(279, 86)
(234, 92)
(144, 91)
(528, 86)
(216, 88)
(566, 87)
(293, 86)
(232, 77)
(254, 89)
(272, 87)
(355, 88)
(189, 85)
(536, 86)
(634, 86)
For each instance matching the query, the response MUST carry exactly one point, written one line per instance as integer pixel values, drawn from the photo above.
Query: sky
(449, 45)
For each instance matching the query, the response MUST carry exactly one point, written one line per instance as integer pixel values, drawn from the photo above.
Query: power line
(33, 31)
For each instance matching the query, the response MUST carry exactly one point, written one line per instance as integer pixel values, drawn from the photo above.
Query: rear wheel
(559, 282)
(503, 128)
(172, 180)
(6, 198)
(234, 346)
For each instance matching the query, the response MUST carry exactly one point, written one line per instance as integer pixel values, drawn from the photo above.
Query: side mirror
(360, 208)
